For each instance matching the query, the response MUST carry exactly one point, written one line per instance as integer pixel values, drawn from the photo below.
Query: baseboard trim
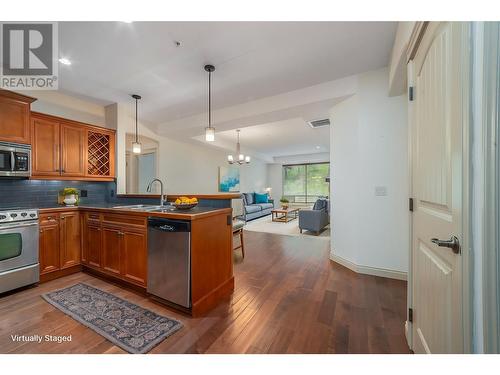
(367, 270)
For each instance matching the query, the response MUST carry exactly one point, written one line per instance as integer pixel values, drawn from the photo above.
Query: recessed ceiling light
(64, 61)
(127, 21)
(318, 147)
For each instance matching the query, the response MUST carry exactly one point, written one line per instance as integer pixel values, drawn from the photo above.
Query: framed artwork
(229, 179)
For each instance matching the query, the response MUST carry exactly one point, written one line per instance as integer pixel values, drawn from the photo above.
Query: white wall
(369, 149)
(275, 180)
(57, 103)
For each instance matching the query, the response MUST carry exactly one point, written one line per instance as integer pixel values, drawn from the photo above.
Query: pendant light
(136, 146)
(241, 159)
(209, 130)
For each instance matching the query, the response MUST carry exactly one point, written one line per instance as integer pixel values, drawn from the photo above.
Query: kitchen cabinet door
(111, 239)
(73, 139)
(45, 147)
(134, 256)
(15, 117)
(93, 246)
(49, 254)
(70, 248)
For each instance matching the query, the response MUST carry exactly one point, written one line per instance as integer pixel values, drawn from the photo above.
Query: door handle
(12, 161)
(453, 243)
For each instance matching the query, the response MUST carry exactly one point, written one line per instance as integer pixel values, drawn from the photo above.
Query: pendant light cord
(209, 99)
(136, 129)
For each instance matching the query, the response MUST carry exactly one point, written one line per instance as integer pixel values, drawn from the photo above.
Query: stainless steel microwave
(15, 160)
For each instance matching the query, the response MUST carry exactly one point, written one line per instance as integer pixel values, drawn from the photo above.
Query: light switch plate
(380, 191)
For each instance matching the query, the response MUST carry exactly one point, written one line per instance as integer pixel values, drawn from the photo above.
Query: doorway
(141, 168)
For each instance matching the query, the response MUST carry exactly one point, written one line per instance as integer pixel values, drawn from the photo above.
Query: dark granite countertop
(191, 214)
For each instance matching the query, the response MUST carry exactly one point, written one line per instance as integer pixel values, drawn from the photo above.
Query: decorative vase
(70, 200)
(284, 206)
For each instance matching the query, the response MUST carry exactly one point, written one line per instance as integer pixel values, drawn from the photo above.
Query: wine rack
(98, 154)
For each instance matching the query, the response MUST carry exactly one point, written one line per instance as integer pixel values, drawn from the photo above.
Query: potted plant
(284, 203)
(70, 196)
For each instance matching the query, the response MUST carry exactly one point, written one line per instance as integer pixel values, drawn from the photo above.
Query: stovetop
(12, 215)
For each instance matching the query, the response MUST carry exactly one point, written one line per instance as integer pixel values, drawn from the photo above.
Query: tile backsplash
(43, 193)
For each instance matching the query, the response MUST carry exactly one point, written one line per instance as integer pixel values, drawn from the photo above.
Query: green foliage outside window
(304, 183)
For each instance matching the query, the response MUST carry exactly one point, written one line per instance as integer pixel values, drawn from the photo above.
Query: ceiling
(281, 138)
(111, 60)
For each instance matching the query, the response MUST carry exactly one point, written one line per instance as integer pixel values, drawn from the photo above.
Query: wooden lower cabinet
(134, 256)
(115, 247)
(70, 239)
(49, 257)
(92, 253)
(60, 245)
(111, 244)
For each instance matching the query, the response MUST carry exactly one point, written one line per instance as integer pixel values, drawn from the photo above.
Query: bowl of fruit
(185, 203)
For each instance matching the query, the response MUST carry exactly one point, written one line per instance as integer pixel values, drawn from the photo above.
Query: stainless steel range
(18, 249)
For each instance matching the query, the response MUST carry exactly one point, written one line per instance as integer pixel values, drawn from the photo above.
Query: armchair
(316, 219)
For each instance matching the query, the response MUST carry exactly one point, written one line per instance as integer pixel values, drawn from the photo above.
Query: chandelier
(241, 159)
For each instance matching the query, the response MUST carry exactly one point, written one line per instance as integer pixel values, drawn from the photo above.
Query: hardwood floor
(289, 298)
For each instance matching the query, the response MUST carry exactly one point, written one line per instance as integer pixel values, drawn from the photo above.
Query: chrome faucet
(162, 198)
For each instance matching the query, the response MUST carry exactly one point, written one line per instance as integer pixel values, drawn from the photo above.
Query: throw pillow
(261, 198)
(320, 204)
(249, 198)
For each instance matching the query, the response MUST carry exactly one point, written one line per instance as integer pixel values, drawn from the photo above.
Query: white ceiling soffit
(111, 60)
(267, 141)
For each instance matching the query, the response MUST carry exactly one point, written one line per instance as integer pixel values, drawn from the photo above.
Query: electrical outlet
(83, 193)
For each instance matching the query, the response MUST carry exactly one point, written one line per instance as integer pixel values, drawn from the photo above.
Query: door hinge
(410, 204)
(410, 93)
(410, 315)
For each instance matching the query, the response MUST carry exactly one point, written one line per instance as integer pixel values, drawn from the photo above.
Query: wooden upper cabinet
(100, 153)
(73, 150)
(15, 117)
(45, 147)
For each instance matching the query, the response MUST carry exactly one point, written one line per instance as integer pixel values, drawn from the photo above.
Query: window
(304, 183)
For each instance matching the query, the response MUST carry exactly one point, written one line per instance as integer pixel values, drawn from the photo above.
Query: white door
(439, 108)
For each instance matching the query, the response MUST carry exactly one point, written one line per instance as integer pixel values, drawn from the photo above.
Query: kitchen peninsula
(111, 241)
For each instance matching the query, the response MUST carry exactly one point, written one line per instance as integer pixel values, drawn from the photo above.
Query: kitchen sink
(143, 207)
(163, 209)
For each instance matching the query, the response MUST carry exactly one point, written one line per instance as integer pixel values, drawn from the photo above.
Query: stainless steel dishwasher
(169, 260)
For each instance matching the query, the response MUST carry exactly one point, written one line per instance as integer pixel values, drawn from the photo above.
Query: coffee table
(284, 215)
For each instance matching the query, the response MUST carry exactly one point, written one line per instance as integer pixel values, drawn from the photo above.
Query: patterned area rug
(131, 327)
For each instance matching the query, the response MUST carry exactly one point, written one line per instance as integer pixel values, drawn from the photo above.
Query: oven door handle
(10, 226)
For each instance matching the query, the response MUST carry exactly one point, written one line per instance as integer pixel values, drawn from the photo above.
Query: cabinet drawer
(138, 222)
(93, 218)
(49, 218)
